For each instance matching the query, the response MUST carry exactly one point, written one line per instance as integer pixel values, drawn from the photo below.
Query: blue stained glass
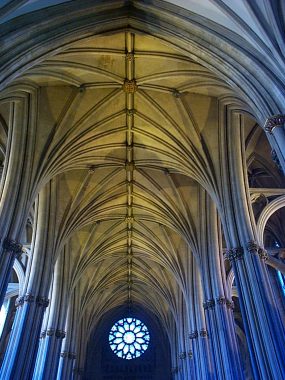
(129, 338)
(282, 281)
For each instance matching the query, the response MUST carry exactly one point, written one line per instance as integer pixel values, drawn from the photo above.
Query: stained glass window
(129, 338)
(281, 278)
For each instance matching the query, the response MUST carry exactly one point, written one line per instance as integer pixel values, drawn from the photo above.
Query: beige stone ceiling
(128, 211)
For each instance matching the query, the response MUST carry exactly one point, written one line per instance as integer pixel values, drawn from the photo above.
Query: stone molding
(190, 354)
(12, 247)
(221, 300)
(203, 333)
(130, 86)
(59, 334)
(235, 254)
(230, 304)
(193, 335)
(130, 57)
(30, 298)
(209, 304)
(182, 355)
(68, 355)
(274, 122)
(177, 94)
(131, 112)
(254, 249)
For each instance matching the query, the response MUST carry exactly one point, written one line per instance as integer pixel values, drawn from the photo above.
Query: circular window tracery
(129, 338)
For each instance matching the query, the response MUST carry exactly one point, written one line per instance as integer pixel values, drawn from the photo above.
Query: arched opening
(103, 363)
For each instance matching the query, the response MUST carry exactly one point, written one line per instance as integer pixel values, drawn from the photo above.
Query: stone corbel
(274, 122)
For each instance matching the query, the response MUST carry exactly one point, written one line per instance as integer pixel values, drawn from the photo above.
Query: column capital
(209, 304)
(221, 300)
(203, 333)
(12, 247)
(42, 301)
(193, 334)
(230, 304)
(273, 122)
(182, 355)
(255, 249)
(60, 334)
(68, 355)
(234, 254)
(190, 354)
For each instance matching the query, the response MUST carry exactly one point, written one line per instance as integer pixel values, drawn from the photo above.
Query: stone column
(10, 251)
(51, 338)
(14, 197)
(22, 348)
(263, 327)
(200, 337)
(275, 127)
(68, 349)
(217, 306)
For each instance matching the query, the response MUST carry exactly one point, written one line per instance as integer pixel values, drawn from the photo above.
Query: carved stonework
(193, 335)
(209, 304)
(234, 254)
(12, 247)
(176, 94)
(60, 334)
(203, 333)
(43, 334)
(68, 355)
(50, 332)
(42, 301)
(262, 253)
(230, 304)
(131, 112)
(130, 86)
(19, 301)
(29, 298)
(221, 300)
(190, 354)
(91, 168)
(273, 122)
(130, 57)
(182, 355)
(254, 249)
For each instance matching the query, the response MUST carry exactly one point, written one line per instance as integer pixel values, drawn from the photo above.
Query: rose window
(129, 338)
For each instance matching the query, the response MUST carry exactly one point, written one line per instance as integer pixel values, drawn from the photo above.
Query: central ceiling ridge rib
(130, 88)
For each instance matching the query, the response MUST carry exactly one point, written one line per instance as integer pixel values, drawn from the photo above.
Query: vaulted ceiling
(128, 113)
(134, 124)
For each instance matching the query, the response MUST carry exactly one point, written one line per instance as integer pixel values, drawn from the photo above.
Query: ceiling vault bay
(123, 118)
